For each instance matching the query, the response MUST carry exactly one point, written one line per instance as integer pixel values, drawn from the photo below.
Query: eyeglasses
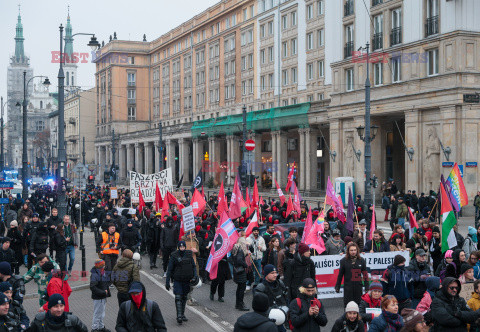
(453, 288)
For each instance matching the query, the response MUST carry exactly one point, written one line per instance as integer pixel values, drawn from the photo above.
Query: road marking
(213, 324)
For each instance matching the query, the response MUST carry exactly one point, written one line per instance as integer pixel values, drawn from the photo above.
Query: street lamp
(46, 82)
(2, 155)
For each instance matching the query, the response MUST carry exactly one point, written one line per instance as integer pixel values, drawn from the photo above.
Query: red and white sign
(250, 144)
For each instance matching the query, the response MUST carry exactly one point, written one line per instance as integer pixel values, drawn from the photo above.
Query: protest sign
(188, 219)
(327, 268)
(147, 183)
(467, 290)
(113, 193)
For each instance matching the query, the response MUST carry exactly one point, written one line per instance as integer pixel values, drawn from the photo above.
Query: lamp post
(61, 156)
(2, 155)
(24, 132)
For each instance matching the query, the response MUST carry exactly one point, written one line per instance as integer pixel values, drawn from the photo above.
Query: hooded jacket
(301, 320)
(418, 270)
(470, 243)
(124, 272)
(68, 323)
(454, 270)
(133, 319)
(397, 282)
(254, 322)
(99, 283)
(451, 313)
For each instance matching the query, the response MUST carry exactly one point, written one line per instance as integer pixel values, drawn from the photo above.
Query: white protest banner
(327, 268)
(113, 193)
(147, 183)
(188, 219)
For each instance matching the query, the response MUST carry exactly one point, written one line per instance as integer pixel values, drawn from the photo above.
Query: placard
(188, 219)
(113, 193)
(147, 183)
(467, 290)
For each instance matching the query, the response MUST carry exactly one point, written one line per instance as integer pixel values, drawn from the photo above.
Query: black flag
(179, 182)
(197, 182)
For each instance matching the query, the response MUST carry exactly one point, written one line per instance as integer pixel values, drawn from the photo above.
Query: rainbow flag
(455, 182)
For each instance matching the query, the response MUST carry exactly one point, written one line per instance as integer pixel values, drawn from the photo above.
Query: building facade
(295, 66)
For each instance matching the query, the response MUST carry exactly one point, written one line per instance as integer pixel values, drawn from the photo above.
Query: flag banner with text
(327, 267)
(146, 182)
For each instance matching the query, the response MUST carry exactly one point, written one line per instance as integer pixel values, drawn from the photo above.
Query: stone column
(303, 158)
(336, 146)
(257, 153)
(310, 160)
(170, 144)
(236, 158)
(184, 153)
(138, 160)
(274, 159)
(282, 158)
(148, 158)
(157, 156)
(129, 158)
(121, 162)
(196, 159)
(103, 157)
(359, 168)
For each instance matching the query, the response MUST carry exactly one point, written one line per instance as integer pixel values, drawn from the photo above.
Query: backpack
(299, 303)
(129, 305)
(443, 272)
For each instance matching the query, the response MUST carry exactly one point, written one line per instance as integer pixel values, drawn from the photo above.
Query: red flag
(203, 193)
(198, 202)
(412, 220)
(253, 223)
(280, 194)
(332, 200)
(225, 238)
(141, 202)
(290, 177)
(173, 200)
(262, 202)
(158, 198)
(314, 238)
(235, 201)
(308, 225)
(290, 207)
(373, 224)
(296, 200)
(222, 201)
(255, 195)
(181, 233)
(165, 208)
(247, 199)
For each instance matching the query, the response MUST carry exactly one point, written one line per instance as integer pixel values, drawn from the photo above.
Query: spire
(19, 51)
(68, 38)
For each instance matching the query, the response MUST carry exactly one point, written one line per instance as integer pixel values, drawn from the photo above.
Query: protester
(350, 320)
(302, 268)
(16, 310)
(39, 276)
(223, 274)
(371, 299)
(58, 243)
(274, 288)
(435, 248)
(353, 271)
(271, 255)
(239, 252)
(16, 244)
(414, 321)
(168, 242)
(419, 272)
(433, 285)
(397, 282)
(7, 254)
(124, 273)
(259, 246)
(99, 286)
(256, 321)
(471, 242)
(466, 274)
(377, 243)
(7, 323)
(360, 235)
(306, 311)
(389, 319)
(71, 238)
(58, 284)
(139, 314)
(453, 269)
(152, 240)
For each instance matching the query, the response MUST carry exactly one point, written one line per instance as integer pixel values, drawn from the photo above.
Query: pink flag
(296, 200)
(225, 238)
(308, 225)
(236, 201)
(280, 194)
(332, 200)
(314, 238)
(158, 198)
(373, 224)
(222, 201)
(290, 177)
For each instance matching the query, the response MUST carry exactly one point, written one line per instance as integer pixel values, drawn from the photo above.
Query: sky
(41, 21)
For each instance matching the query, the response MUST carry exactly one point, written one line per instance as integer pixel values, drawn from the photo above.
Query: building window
(244, 88)
(310, 71)
(396, 70)
(294, 101)
(431, 25)
(320, 8)
(132, 113)
(284, 50)
(285, 102)
(377, 32)
(131, 96)
(321, 69)
(252, 11)
(270, 54)
(270, 81)
(310, 98)
(294, 46)
(250, 60)
(262, 56)
(309, 11)
(39, 126)
(234, 20)
(227, 22)
(378, 73)
(270, 28)
(294, 19)
(262, 30)
(262, 83)
(433, 62)
(321, 37)
(309, 41)
(131, 60)
(396, 34)
(348, 51)
(131, 79)
(284, 22)
(285, 77)
(245, 14)
(294, 75)
(250, 85)
(349, 79)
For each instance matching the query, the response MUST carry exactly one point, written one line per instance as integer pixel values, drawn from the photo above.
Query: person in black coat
(6, 253)
(223, 274)
(454, 269)
(152, 240)
(377, 244)
(16, 244)
(168, 241)
(352, 270)
(99, 285)
(350, 320)
(435, 249)
(58, 243)
(256, 321)
(303, 316)
(130, 237)
(303, 267)
(239, 251)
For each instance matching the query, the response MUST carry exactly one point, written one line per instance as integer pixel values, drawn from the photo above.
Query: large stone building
(296, 68)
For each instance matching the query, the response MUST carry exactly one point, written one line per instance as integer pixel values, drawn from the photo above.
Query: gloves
(167, 286)
(337, 290)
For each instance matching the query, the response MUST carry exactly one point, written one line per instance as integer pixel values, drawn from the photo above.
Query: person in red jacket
(58, 284)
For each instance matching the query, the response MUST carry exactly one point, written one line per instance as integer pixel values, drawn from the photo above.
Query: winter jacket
(451, 313)
(470, 243)
(342, 324)
(99, 284)
(254, 322)
(130, 238)
(396, 281)
(132, 319)
(169, 237)
(258, 242)
(58, 286)
(301, 320)
(383, 247)
(418, 272)
(354, 275)
(303, 267)
(454, 270)
(42, 323)
(402, 211)
(239, 274)
(380, 324)
(332, 248)
(124, 272)
(368, 302)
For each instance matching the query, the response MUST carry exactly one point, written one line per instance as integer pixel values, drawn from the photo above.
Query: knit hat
(411, 317)
(14, 223)
(448, 254)
(127, 253)
(347, 239)
(3, 298)
(375, 285)
(5, 268)
(399, 259)
(267, 269)
(181, 244)
(5, 286)
(465, 267)
(351, 307)
(99, 263)
(436, 229)
(260, 302)
(55, 299)
(303, 248)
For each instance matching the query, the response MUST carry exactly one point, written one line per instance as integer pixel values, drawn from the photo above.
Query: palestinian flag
(448, 221)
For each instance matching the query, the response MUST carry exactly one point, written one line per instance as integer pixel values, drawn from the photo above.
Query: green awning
(263, 120)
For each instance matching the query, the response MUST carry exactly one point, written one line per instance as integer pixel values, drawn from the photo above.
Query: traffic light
(242, 170)
(374, 181)
(91, 178)
(106, 176)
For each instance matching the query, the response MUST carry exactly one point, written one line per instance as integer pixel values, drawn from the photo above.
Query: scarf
(54, 319)
(394, 321)
(137, 299)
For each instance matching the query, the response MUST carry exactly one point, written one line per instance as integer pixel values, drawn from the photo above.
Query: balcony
(396, 36)
(348, 50)
(376, 2)
(348, 8)
(131, 83)
(377, 42)
(431, 27)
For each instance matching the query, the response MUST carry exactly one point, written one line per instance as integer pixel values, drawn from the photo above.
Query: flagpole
(250, 255)
(212, 211)
(431, 211)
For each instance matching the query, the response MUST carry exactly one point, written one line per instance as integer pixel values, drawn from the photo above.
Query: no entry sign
(249, 144)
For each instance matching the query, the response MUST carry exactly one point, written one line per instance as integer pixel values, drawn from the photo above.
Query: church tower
(70, 66)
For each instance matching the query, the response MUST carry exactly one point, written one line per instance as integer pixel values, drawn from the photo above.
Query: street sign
(460, 167)
(471, 164)
(81, 170)
(447, 164)
(6, 185)
(471, 98)
(250, 144)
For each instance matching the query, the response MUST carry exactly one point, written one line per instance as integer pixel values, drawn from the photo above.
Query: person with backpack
(453, 269)
(139, 314)
(256, 321)
(16, 311)
(350, 320)
(306, 311)
(397, 281)
(471, 242)
(124, 273)
(99, 286)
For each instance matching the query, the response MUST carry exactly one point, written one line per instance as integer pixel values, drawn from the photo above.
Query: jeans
(71, 257)
(98, 314)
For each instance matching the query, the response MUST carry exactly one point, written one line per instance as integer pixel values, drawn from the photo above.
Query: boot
(179, 307)
(184, 303)
(242, 307)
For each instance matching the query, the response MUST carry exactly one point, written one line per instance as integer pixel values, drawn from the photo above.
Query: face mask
(137, 299)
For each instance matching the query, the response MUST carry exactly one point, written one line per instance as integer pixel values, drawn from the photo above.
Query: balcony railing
(131, 83)
(348, 8)
(348, 49)
(376, 2)
(431, 27)
(377, 41)
(396, 36)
